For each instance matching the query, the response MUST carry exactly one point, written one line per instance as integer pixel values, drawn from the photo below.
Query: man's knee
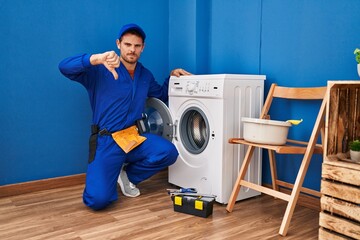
(97, 202)
(172, 155)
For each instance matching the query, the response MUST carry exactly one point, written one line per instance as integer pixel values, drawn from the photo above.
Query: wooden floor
(60, 214)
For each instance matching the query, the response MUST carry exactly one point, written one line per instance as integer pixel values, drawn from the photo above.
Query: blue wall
(306, 43)
(45, 118)
(294, 43)
(235, 37)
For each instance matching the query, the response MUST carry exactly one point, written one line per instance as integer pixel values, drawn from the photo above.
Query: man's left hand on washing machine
(179, 72)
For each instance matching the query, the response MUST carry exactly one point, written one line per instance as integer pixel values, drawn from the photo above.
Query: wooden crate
(340, 185)
(342, 116)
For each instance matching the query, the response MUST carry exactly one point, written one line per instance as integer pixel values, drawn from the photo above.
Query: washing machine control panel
(198, 88)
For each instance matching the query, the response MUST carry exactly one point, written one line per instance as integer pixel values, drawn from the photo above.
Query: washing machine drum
(194, 130)
(193, 125)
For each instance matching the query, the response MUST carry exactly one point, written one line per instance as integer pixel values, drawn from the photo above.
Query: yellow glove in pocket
(128, 139)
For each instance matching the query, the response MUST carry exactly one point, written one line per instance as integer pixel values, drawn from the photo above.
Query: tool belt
(127, 139)
(93, 140)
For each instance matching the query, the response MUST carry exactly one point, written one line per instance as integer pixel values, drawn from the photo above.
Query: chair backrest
(315, 93)
(309, 93)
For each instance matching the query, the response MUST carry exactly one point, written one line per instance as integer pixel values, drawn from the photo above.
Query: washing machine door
(158, 119)
(194, 130)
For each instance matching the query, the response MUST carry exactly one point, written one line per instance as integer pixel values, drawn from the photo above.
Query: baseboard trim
(40, 185)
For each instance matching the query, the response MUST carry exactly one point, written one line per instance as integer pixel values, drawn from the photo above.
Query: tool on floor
(198, 195)
(182, 190)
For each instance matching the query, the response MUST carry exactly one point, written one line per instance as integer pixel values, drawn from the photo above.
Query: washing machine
(204, 111)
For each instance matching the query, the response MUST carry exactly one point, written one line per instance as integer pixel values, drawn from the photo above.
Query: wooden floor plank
(60, 214)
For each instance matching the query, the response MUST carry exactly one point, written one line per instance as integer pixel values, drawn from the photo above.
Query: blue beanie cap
(131, 26)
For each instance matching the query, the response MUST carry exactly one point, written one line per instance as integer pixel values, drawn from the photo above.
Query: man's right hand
(109, 59)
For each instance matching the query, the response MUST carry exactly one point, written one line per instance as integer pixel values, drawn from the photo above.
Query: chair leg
(302, 170)
(295, 194)
(243, 170)
(272, 161)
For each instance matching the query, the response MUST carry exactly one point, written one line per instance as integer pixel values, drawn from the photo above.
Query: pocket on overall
(128, 139)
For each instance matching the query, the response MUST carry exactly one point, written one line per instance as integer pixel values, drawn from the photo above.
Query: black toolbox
(194, 205)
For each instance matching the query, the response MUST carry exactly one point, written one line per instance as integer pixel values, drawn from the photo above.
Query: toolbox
(194, 205)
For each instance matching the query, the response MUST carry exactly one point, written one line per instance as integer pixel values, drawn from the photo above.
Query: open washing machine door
(158, 119)
(193, 125)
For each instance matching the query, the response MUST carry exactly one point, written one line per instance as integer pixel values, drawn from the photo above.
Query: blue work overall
(116, 105)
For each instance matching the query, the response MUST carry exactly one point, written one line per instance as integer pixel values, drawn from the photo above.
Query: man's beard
(128, 60)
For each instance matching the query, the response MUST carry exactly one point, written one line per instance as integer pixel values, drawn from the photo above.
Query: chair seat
(289, 148)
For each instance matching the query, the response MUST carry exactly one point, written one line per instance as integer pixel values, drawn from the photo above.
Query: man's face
(130, 47)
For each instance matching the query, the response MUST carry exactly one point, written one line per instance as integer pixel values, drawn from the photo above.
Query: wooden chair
(291, 147)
